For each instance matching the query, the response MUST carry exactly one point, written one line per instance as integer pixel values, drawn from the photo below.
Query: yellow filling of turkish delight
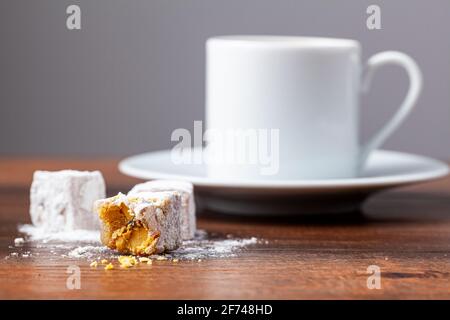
(120, 231)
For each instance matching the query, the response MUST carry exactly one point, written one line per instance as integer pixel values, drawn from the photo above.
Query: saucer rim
(441, 170)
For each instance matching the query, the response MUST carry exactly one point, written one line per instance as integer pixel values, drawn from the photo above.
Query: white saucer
(385, 169)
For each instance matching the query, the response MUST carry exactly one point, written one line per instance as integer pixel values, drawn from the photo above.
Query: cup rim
(273, 41)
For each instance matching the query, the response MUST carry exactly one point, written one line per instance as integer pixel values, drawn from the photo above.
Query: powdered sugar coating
(62, 200)
(186, 190)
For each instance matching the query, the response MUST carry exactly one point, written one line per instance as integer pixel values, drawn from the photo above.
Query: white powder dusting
(40, 234)
(199, 248)
(88, 252)
(203, 248)
(19, 242)
(67, 244)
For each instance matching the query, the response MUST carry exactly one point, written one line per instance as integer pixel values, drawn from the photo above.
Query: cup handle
(415, 86)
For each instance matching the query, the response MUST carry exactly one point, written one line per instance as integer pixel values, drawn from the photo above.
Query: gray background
(135, 71)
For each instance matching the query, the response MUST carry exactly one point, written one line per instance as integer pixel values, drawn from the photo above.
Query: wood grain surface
(405, 232)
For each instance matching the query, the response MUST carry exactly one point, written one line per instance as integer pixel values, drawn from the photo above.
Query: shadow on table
(403, 208)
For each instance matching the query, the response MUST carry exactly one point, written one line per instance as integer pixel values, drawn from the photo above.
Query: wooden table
(405, 232)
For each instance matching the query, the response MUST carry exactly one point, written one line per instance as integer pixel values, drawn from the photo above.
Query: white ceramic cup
(307, 90)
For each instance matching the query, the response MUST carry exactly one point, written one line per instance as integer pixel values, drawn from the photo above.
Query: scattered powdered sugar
(19, 242)
(198, 248)
(83, 244)
(88, 252)
(40, 234)
(203, 247)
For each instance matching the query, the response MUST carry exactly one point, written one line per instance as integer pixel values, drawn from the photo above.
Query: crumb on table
(109, 266)
(127, 261)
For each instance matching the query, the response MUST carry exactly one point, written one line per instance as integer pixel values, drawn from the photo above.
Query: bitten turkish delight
(143, 224)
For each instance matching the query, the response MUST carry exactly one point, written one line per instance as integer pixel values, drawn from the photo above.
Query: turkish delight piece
(186, 190)
(62, 200)
(141, 224)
